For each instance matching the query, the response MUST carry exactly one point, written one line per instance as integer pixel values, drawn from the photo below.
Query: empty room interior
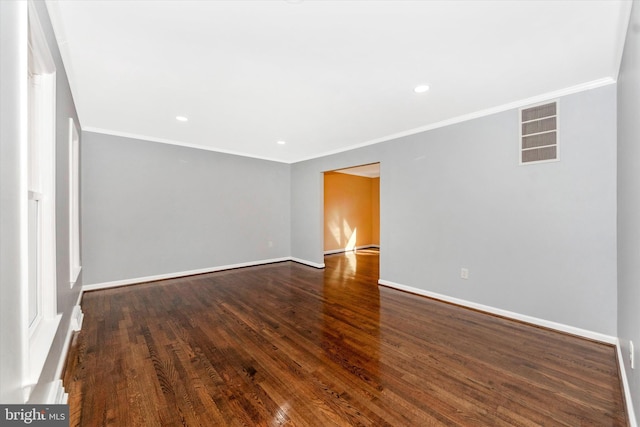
(304, 212)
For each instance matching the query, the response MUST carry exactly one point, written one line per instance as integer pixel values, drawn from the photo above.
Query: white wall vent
(539, 133)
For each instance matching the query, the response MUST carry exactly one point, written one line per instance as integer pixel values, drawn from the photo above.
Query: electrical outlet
(464, 273)
(631, 355)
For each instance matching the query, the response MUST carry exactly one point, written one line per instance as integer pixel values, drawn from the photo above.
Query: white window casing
(39, 305)
(74, 203)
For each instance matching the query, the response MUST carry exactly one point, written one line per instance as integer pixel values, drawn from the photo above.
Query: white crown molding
(475, 115)
(178, 143)
(454, 120)
(623, 27)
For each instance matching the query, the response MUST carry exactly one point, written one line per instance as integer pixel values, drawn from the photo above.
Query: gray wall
(151, 209)
(11, 355)
(629, 203)
(539, 240)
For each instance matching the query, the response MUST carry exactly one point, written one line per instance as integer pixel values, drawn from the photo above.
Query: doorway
(352, 209)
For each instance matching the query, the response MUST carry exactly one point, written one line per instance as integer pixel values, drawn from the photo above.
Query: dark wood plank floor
(286, 344)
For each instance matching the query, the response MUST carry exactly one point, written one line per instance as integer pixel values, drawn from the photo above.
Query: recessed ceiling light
(281, 142)
(182, 119)
(421, 89)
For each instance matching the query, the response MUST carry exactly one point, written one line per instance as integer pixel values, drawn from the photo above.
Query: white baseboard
(596, 336)
(309, 263)
(55, 394)
(76, 318)
(138, 280)
(625, 387)
(357, 248)
(75, 324)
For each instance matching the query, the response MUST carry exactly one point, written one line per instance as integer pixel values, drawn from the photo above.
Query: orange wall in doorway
(351, 211)
(375, 211)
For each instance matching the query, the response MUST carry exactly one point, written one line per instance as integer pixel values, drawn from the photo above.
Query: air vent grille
(539, 133)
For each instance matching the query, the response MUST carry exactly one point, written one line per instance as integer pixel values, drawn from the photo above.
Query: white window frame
(74, 203)
(39, 173)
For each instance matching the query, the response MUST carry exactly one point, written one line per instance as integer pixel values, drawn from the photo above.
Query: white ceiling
(324, 76)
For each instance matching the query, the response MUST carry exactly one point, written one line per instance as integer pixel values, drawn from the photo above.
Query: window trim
(39, 173)
(75, 265)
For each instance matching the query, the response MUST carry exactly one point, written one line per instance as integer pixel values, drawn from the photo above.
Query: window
(74, 203)
(42, 318)
(539, 133)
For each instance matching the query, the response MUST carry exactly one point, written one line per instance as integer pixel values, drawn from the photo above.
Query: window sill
(75, 273)
(39, 345)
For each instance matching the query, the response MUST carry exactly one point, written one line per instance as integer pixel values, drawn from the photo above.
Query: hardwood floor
(286, 344)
